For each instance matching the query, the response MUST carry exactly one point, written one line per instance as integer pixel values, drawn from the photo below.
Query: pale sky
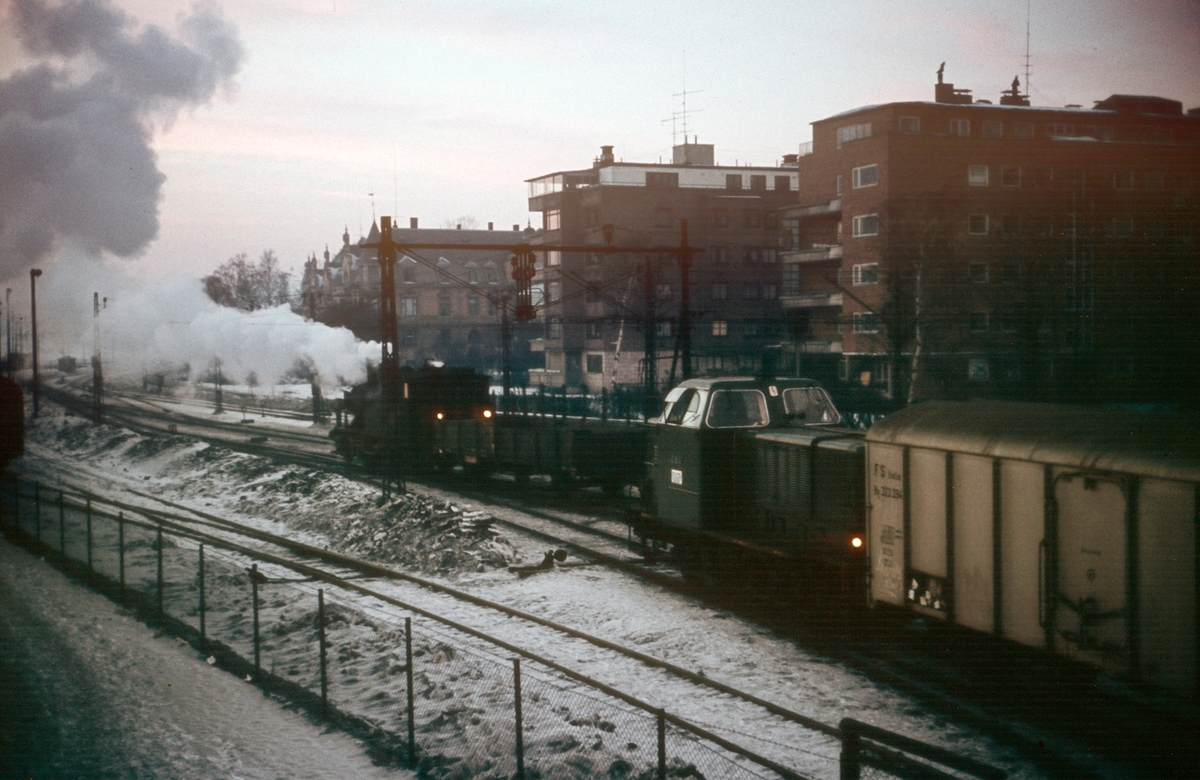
(444, 108)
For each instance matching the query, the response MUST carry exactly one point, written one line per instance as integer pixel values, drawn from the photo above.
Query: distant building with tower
(445, 299)
(597, 308)
(967, 248)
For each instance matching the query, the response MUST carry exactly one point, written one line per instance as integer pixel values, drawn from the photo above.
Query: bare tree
(466, 222)
(239, 284)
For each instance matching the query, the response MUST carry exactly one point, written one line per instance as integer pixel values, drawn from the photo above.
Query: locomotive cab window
(686, 409)
(809, 406)
(737, 409)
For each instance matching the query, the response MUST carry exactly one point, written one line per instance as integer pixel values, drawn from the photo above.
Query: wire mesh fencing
(424, 695)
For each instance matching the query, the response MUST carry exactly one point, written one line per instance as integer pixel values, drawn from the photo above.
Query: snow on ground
(423, 534)
(88, 691)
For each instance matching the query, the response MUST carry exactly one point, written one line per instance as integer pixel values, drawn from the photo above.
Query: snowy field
(416, 533)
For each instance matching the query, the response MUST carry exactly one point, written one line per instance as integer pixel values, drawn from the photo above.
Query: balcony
(819, 347)
(815, 209)
(815, 254)
(818, 301)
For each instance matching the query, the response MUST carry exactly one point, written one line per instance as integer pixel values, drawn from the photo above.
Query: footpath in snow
(87, 691)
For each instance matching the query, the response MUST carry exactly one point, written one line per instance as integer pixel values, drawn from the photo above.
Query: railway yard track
(892, 650)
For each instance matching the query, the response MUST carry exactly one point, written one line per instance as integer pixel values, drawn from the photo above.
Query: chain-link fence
(424, 695)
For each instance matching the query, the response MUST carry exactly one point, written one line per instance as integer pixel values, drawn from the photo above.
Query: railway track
(782, 739)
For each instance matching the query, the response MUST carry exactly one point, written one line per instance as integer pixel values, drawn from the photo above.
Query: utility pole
(8, 331)
(506, 352)
(685, 300)
(649, 361)
(34, 273)
(389, 365)
(97, 371)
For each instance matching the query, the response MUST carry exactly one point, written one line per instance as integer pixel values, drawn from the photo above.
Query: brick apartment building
(438, 318)
(595, 305)
(961, 248)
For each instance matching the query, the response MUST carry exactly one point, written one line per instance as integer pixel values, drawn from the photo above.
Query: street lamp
(34, 273)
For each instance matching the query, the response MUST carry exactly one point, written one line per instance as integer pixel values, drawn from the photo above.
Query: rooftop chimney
(412, 223)
(606, 155)
(491, 226)
(944, 91)
(517, 228)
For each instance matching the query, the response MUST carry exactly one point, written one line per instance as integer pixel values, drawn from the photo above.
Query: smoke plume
(76, 124)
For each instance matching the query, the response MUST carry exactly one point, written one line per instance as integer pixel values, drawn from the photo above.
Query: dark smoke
(76, 126)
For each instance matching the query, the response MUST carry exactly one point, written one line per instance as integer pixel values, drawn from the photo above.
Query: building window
(1060, 129)
(977, 175)
(978, 322)
(553, 292)
(443, 304)
(733, 181)
(960, 127)
(977, 224)
(910, 124)
(664, 292)
(866, 225)
(491, 308)
(408, 307)
(1010, 273)
(977, 273)
(751, 292)
(770, 291)
(839, 185)
(770, 220)
(720, 328)
(595, 364)
(720, 292)
(866, 273)
(751, 218)
(720, 218)
(593, 258)
(758, 182)
(591, 218)
(791, 280)
(661, 179)
(864, 322)
(1043, 178)
(770, 255)
(410, 338)
(1102, 132)
(1010, 225)
(1007, 321)
(552, 220)
(473, 306)
(1121, 226)
(665, 328)
(853, 133)
(720, 255)
(1023, 130)
(1123, 180)
(864, 176)
(750, 329)
(993, 128)
(592, 331)
(977, 370)
(783, 183)
(553, 257)
(663, 218)
(408, 275)
(554, 328)
(1010, 176)
(1154, 180)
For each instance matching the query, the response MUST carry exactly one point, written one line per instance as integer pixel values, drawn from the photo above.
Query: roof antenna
(1028, 87)
(682, 115)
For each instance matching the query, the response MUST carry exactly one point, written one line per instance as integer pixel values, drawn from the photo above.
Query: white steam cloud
(76, 124)
(166, 324)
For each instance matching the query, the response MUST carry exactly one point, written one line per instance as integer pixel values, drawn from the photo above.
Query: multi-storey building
(961, 248)
(597, 308)
(445, 312)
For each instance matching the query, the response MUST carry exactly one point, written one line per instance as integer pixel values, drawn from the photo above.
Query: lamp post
(34, 273)
(8, 332)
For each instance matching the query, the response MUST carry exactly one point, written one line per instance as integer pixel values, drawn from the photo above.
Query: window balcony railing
(814, 254)
(811, 301)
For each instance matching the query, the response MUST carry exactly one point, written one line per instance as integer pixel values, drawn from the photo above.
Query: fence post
(89, 535)
(520, 726)
(321, 643)
(851, 759)
(254, 611)
(203, 637)
(662, 744)
(37, 510)
(62, 528)
(604, 404)
(121, 550)
(159, 545)
(408, 673)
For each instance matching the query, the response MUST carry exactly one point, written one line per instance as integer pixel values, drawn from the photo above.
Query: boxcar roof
(1154, 445)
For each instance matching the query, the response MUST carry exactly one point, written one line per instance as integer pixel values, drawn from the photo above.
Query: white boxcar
(1054, 526)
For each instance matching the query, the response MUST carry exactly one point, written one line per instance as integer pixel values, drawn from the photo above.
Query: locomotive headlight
(487, 413)
(856, 542)
(441, 416)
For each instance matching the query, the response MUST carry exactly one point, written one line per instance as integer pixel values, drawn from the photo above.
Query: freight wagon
(1057, 527)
